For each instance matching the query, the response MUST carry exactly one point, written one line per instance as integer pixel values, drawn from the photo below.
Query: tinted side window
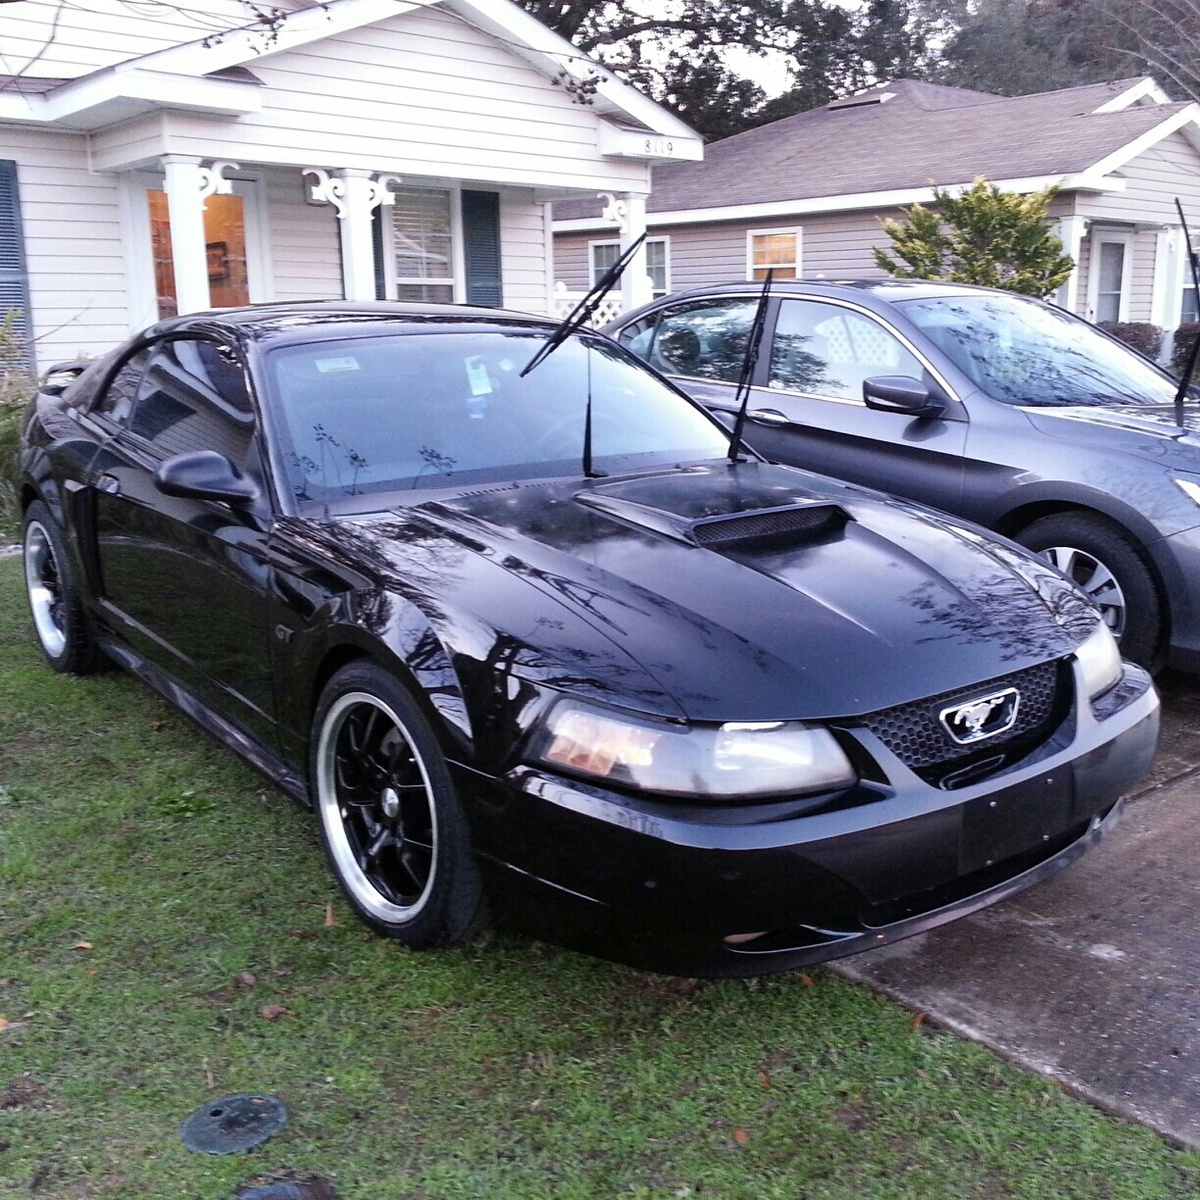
(704, 341)
(193, 397)
(636, 337)
(826, 350)
(116, 401)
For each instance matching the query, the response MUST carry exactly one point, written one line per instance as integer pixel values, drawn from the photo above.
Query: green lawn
(510, 1070)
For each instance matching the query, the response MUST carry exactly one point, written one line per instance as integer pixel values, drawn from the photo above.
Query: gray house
(806, 194)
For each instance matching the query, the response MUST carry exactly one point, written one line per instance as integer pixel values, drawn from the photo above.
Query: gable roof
(903, 135)
(213, 58)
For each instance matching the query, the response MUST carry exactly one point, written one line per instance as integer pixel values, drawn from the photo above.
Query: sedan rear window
(1024, 353)
(401, 411)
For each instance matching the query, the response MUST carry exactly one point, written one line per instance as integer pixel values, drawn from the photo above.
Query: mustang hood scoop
(749, 523)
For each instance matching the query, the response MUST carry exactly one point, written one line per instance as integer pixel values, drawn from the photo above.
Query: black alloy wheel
(62, 628)
(391, 823)
(1100, 558)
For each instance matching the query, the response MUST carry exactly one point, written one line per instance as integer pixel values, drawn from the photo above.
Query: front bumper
(663, 887)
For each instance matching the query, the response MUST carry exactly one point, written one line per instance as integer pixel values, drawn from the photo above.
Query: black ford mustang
(702, 715)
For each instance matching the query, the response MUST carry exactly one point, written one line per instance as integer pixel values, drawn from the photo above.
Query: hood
(1149, 431)
(831, 601)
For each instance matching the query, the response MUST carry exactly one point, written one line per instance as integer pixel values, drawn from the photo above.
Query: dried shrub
(1145, 338)
(17, 386)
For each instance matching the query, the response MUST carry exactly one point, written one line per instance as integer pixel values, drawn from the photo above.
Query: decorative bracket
(327, 190)
(213, 181)
(615, 211)
(331, 189)
(381, 193)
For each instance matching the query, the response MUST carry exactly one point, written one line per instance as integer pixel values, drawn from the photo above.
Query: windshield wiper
(741, 398)
(583, 312)
(1189, 370)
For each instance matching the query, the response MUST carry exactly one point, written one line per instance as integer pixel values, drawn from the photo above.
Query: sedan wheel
(1096, 579)
(391, 823)
(1105, 562)
(54, 602)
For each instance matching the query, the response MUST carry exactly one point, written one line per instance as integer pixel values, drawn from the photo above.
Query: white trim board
(1085, 182)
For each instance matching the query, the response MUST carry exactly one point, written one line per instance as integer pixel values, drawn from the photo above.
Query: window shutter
(14, 280)
(377, 246)
(481, 248)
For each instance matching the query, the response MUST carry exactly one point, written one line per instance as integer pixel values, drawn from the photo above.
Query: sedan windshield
(1020, 352)
(400, 411)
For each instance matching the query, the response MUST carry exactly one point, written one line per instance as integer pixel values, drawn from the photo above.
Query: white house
(159, 158)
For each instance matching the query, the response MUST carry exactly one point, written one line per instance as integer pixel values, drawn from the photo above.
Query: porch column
(185, 205)
(1071, 231)
(635, 284)
(358, 245)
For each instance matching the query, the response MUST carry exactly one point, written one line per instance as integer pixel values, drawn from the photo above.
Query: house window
(604, 254)
(1190, 313)
(423, 243)
(777, 249)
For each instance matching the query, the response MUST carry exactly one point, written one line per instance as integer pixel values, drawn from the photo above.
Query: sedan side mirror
(900, 394)
(204, 475)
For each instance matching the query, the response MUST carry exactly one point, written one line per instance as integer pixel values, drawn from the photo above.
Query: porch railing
(562, 300)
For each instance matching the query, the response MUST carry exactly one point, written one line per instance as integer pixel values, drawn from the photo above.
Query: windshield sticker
(477, 376)
(329, 365)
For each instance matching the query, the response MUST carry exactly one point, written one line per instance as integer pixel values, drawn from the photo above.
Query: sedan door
(184, 581)
(811, 412)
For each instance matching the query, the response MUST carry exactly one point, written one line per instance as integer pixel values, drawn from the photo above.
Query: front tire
(1102, 560)
(391, 823)
(55, 603)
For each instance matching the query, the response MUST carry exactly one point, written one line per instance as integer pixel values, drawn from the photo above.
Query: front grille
(771, 523)
(915, 735)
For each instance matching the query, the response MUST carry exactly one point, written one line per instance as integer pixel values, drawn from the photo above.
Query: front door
(233, 242)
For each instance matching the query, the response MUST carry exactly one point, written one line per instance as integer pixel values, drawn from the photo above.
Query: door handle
(109, 483)
(768, 416)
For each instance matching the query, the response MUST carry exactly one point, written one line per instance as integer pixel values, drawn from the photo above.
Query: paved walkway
(1094, 977)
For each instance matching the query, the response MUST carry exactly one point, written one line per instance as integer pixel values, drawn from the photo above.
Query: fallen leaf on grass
(740, 1135)
(919, 1020)
(807, 981)
(764, 1079)
(3, 1024)
(272, 1012)
(300, 933)
(89, 973)
(245, 979)
(82, 946)
(330, 919)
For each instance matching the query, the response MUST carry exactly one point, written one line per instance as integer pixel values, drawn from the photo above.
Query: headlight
(718, 762)
(1100, 660)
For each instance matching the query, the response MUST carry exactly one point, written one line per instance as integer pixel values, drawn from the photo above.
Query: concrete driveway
(1091, 978)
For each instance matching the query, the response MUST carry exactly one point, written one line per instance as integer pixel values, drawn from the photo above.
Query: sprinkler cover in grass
(233, 1123)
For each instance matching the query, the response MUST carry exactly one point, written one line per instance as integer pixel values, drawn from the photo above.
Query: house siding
(73, 245)
(522, 251)
(304, 242)
(408, 106)
(105, 32)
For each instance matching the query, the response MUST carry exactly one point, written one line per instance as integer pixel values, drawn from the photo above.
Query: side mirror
(900, 394)
(204, 475)
(60, 376)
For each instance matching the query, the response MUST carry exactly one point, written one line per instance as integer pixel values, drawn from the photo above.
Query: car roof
(859, 290)
(318, 319)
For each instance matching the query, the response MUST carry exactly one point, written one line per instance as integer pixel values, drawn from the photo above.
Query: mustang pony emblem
(982, 718)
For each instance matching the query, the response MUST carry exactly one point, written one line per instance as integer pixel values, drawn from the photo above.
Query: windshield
(1020, 352)
(422, 410)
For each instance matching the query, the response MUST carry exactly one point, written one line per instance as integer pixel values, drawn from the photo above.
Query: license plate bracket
(1016, 820)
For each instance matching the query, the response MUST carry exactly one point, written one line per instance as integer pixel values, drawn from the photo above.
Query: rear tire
(1105, 562)
(55, 604)
(393, 829)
